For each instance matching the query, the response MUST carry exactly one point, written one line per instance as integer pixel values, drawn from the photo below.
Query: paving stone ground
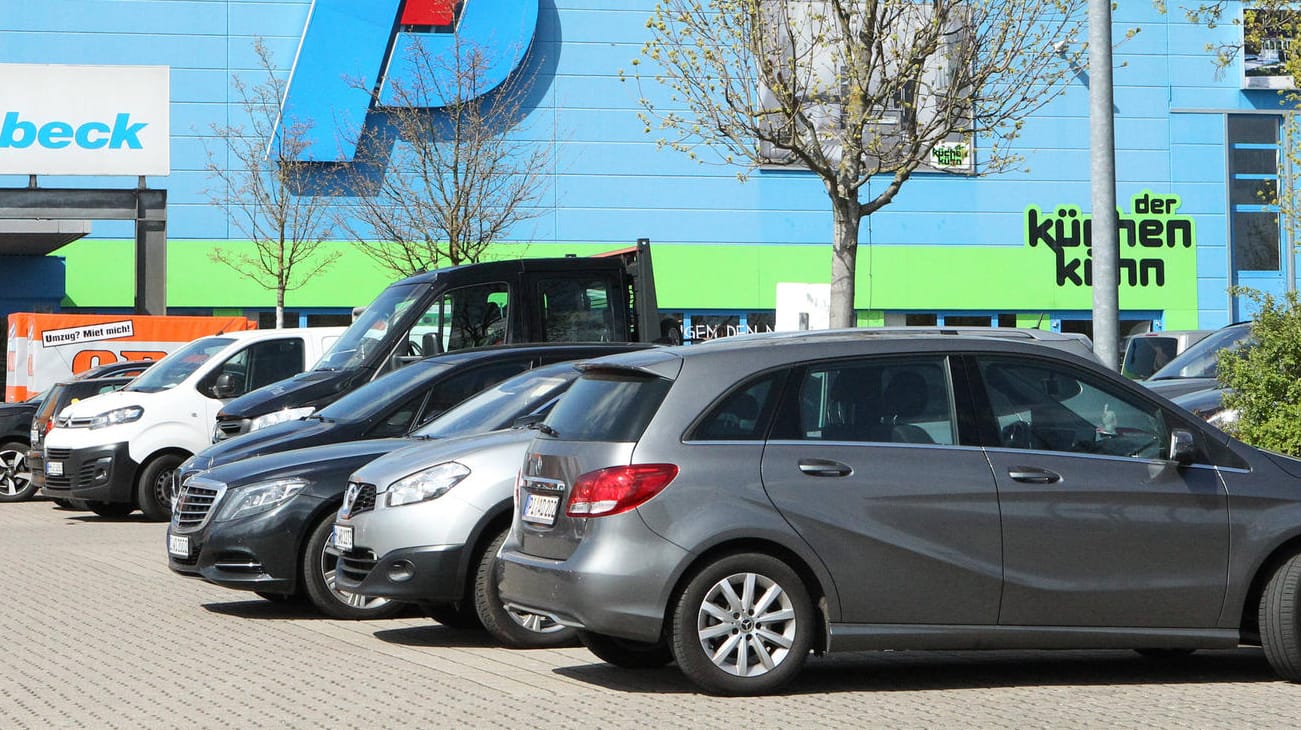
(100, 634)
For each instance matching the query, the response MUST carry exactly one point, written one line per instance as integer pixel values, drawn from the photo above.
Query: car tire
(744, 625)
(625, 652)
(155, 488)
(15, 478)
(514, 629)
(110, 509)
(1280, 620)
(318, 578)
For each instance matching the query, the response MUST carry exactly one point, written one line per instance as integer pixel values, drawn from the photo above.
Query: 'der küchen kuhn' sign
(1144, 235)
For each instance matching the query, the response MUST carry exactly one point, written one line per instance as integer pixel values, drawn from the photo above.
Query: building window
(1253, 192)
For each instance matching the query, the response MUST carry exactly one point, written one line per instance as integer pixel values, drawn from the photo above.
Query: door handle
(1033, 475)
(825, 468)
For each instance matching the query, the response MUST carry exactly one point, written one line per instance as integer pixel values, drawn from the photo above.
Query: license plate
(54, 468)
(541, 508)
(343, 537)
(178, 545)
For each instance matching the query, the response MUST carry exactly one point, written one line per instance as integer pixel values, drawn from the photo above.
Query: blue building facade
(953, 249)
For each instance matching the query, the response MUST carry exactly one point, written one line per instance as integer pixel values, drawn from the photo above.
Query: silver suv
(735, 507)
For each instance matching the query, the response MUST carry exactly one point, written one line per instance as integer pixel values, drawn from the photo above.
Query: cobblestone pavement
(98, 633)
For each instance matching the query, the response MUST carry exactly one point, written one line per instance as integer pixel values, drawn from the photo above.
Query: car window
(398, 422)
(739, 416)
(881, 400)
(1201, 359)
(274, 360)
(1047, 407)
(450, 391)
(605, 405)
(576, 310)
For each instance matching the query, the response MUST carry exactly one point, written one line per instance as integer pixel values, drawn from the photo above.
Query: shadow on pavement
(435, 635)
(924, 671)
(263, 609)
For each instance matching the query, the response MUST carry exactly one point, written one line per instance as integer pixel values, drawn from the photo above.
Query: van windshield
(1202, 359)
(172, 370)
(366, 334)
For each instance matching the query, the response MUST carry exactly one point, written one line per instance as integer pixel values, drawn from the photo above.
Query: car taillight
(618, 489)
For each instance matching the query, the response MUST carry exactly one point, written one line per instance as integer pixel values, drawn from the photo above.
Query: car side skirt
(866, 637)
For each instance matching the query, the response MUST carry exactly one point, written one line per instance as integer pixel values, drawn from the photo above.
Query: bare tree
(855, 89)
(258, 175)
(458, 177)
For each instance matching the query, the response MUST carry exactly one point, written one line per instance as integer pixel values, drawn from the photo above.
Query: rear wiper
(544, 428)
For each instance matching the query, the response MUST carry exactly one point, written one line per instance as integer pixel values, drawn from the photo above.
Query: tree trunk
(844, 262)
(280, 307)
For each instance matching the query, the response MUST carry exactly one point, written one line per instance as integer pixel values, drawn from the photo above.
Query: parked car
(423, 524)
(264, 523)
(399, 401)
(1144, 354)
(735, 507)
(18, 482)
(119, 450)
(1196, 368)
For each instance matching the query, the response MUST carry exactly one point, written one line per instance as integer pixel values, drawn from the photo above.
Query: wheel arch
(324, 507)
(817, 591)
(494, 519)
(1248, 621)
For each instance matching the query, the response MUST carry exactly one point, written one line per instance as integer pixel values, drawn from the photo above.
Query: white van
(118, 450)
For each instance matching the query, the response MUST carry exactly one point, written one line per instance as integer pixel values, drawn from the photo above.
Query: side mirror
(227, 386)
(1182, 450)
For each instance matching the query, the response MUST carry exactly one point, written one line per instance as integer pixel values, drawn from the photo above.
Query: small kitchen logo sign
(1146, 235)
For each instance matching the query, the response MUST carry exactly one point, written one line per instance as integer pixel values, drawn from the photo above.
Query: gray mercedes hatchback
(735, 506)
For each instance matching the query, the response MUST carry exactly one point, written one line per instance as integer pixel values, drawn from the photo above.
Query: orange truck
(46, 348)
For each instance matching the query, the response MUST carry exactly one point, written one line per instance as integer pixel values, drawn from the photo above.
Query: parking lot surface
(98, 633)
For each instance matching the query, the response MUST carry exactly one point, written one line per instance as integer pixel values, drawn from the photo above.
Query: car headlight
(258, 497)
(288, 414)
(117, 416)
(426, 484)
(1222, 418)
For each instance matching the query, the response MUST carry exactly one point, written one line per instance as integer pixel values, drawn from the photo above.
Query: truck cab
(118, 450)
(607, 298)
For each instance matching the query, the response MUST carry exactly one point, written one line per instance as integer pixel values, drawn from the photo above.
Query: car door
(866, 464)
(1099, 529)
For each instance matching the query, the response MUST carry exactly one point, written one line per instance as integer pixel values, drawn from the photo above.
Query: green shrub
(1263, 382)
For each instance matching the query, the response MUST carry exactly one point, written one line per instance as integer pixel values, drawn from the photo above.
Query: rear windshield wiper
(544, 428)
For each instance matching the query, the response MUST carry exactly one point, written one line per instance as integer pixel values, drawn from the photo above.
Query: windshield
(382, 392)
(500, 405)
(371, 326)
(1202, 359)
(172, 370)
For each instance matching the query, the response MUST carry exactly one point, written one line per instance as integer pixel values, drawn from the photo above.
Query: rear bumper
(621, 592)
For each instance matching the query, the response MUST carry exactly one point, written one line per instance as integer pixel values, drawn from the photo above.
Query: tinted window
(451, 391)
(501, 404)
(887, 400)
(739, 416)
(608, 406)
(1042, 406)
(372, 398)
(273, 361)
(399, 421)
(576, 310)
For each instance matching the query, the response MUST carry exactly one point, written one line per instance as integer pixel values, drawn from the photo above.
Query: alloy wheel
(746, 624)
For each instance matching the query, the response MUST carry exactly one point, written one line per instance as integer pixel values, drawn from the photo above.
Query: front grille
(230, 429)
(359, 498)
(356, 564)
(195, 502)
(68, 479)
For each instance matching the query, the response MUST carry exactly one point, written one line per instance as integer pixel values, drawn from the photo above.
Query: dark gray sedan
(735, 506)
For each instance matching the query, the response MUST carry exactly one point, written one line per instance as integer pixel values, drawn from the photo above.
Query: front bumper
(97, 473)
(426, 574)
(256, 553)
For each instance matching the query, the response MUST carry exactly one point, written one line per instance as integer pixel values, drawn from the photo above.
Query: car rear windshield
(607, 405)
